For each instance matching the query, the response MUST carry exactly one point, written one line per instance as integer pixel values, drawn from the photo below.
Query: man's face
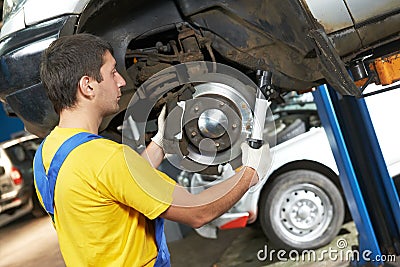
(109, 92)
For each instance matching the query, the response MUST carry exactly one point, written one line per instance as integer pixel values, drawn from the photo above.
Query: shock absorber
(260, 109)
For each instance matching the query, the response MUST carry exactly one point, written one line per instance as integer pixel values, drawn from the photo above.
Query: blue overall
(46, 184)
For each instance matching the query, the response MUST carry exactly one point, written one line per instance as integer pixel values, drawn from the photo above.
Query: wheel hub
(304, 214)
(219, 128)
(303, 211)
(213, 123)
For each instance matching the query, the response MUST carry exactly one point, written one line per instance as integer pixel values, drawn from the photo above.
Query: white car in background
(17, 191)
(301, 205)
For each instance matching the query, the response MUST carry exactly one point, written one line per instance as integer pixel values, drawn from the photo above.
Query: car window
(16, 154)
(23, 152)
(21, 156)
(19, 153)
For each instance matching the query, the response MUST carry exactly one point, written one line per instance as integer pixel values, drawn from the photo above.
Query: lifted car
(299, 42)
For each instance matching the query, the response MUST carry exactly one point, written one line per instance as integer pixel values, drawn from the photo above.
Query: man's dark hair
(64, 63)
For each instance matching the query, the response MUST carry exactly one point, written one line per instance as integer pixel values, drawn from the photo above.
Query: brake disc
(202, 132)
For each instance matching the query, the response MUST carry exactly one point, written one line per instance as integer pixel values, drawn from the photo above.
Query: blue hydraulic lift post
(377, 186)
(367, 238)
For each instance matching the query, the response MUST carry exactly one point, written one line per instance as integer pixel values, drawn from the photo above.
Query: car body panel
(375, 9)
(303, 147)
(18, 23)
(336, 15)
(20, 84)
(21, 53)
(374, 33)
(40, 10)
(37, 11)
(332, 14)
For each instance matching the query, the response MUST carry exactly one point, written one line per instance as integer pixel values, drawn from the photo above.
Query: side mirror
(2, 170)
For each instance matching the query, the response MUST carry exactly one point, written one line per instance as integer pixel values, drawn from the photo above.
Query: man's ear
(85, 87)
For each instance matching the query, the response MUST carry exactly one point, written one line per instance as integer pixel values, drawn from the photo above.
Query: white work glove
(258, 159)
(159, 137)
(226, 171)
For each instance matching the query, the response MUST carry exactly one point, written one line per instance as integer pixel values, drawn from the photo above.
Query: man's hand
(258, 159)
(158, 138)
(154, 152)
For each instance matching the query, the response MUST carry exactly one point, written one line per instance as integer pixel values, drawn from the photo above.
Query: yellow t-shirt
(105, 198)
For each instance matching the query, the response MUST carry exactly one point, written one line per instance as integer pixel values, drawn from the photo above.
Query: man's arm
(154, 154)
(197, 210)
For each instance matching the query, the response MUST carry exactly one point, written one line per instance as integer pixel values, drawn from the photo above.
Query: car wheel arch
(307, 165)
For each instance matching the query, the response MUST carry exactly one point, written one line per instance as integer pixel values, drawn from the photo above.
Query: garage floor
(239, 247)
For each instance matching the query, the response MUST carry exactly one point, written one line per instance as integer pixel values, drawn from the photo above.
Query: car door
(373, 19)
(356, 24)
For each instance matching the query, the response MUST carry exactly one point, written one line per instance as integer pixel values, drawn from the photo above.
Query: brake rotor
(205, 131)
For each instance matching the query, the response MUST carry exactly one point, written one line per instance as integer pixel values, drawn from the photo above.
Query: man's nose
(121, 81)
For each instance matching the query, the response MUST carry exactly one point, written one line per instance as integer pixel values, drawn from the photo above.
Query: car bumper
(15, 198)
(9, 200)
(20, 86)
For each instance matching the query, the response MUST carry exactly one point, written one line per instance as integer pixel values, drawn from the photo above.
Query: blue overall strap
(46, 183)
(163, 257)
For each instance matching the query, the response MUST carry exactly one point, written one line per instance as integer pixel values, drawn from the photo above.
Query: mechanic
(109, 203)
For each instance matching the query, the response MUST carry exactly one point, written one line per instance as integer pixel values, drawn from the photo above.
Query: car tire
(37, 209)
(301, 209)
